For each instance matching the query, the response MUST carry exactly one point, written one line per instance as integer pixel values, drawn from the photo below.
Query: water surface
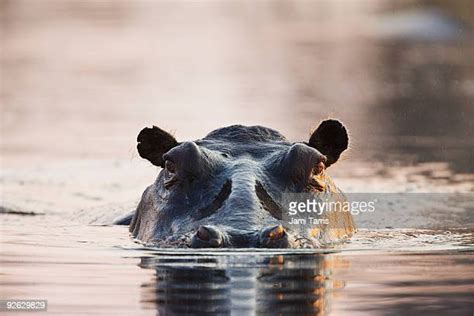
(81, 78)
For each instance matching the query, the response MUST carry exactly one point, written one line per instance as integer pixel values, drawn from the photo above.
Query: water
(309, 284)
(99, 270)
(80, 79)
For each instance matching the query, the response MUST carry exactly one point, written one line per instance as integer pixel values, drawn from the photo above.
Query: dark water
(426, 109)
(310, 284)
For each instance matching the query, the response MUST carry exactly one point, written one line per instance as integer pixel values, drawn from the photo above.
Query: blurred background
(81, 78)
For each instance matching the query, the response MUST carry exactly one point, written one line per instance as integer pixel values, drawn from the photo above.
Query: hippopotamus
(225, 190)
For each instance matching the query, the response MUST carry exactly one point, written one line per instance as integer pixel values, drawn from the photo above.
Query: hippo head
(224, 190)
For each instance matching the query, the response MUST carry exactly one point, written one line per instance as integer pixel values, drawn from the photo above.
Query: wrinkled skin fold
(225, 190)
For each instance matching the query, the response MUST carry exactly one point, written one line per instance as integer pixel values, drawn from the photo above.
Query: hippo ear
(153, 143)
(330, 139)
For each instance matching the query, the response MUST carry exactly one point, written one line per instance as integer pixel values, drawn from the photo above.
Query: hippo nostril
(275, 233)
(274, 237)
(203, 233)
(207, 237)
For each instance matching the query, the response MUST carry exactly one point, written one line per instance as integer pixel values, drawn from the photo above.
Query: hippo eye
(171, 178)
(320, 166)
(170, 166)
(315, 182)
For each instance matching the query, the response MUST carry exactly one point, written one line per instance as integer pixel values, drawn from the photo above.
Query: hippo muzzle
(213, 237)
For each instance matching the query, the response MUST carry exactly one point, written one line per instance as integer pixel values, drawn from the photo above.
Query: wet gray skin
(225, 190)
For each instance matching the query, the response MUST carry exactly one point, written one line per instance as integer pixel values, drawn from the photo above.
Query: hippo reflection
(240, 284)
(225, 190)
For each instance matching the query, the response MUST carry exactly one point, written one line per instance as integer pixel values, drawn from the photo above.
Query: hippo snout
(207, 236)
